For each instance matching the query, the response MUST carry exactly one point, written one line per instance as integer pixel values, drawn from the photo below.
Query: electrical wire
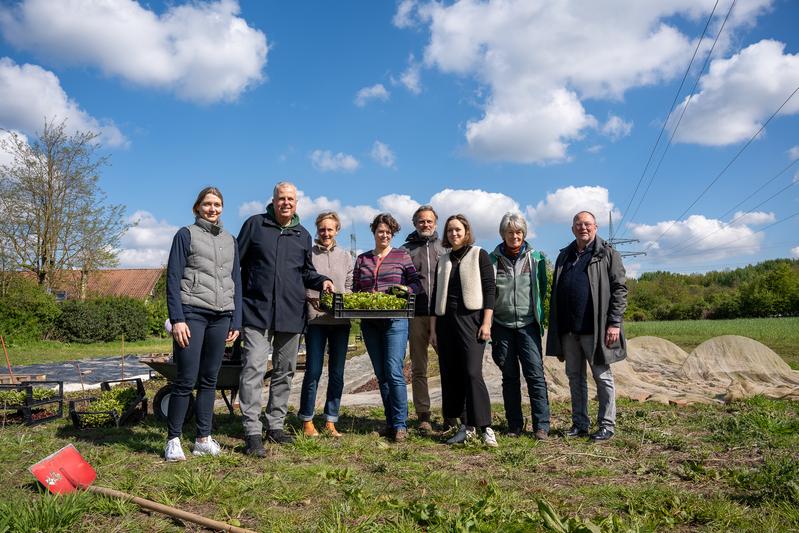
(673, 103)
(724, 170)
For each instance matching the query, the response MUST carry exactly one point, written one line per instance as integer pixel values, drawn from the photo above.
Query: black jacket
(424, 254)
(276, 268)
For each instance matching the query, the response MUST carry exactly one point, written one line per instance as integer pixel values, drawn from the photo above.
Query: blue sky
(476, 107)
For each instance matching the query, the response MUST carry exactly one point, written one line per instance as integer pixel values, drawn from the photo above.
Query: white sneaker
(173, 451)
(464, 433)
(207, 447)
(489, 439)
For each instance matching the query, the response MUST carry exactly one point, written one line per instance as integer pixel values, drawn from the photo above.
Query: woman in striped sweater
(377, 271)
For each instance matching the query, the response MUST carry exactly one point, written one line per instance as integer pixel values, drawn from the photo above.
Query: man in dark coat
(589, 296)
(425, 248)
(276, 268)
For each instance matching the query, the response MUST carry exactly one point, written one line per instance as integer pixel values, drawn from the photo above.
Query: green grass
(714, 467)
(779, 334)
(31, 353)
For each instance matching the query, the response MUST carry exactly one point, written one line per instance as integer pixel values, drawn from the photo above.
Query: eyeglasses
(584, 224)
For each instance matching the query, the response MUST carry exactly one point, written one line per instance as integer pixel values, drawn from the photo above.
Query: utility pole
(614, 242)
(353, 246)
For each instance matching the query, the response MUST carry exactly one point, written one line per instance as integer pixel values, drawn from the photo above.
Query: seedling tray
(134, 411)
(340, 312)
(35, 412)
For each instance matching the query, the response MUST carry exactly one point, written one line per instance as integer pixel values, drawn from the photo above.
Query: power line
(684, 109)
(731, 222)
(673, 103)
(724, 170)
(777, 175)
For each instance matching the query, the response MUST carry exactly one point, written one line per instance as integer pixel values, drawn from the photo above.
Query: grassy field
(53, 351)
(728, 467)
(779, 334)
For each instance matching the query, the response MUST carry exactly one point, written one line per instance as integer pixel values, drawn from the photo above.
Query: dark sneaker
(278, 436)
(254, 446)
(541, 434)
(577, 432)
(601, 434)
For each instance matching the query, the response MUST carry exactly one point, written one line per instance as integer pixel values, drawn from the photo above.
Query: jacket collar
(271, 218)
(599, 247)
(213, 229)
(415, 237)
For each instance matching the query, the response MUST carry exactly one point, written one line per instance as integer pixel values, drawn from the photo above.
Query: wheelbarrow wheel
(161, 404)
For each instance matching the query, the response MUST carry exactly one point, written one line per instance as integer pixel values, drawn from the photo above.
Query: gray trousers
(251, 383)
(578, 350)
(419, 340)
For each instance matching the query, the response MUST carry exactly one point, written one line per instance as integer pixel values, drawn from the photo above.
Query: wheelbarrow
(227, 381)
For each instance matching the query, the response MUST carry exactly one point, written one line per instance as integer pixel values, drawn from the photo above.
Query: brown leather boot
(425, 427)
(330, 429)
(308, 429)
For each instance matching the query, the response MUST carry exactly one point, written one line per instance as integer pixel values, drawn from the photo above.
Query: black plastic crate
(340, 312)
(134, 412)
(30, 409)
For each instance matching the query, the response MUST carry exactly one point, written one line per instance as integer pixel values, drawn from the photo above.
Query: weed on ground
(703, 467)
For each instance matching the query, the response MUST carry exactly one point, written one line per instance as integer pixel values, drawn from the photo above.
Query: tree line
(767, 289)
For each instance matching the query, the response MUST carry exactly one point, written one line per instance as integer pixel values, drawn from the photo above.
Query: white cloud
(32, 94)
(375, 92)
(560, 206)
(247, 209)
(404, 17)
(795, 252)
(483, 209)
(632, 270)
(6, 157)
(411, 78)
(326, 161)
(697, 239)
(793, 153)
(616, 128)
(534, 108)
(401, 206)
(204, 52)
(755, 218)
(383, 155)
(739, 94)
(146, 244)
(594, 149)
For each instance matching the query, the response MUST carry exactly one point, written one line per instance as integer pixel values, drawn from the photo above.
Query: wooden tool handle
(168, 510)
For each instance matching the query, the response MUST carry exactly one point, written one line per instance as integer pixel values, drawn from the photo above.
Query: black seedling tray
(340, 312)
(135, 410)
(31, 409)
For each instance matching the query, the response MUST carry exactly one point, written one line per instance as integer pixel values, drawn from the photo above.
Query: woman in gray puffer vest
(203, 288)
(335, 262)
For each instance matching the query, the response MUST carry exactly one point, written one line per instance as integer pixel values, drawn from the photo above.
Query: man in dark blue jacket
(276, 268)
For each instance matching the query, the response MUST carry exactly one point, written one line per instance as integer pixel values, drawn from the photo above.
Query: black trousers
(460, 359)
(197, 365)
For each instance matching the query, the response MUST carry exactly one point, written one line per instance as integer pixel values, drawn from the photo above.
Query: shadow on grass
(146, 436)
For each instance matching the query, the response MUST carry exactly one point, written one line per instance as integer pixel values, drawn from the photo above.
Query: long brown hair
(468, 238)
(201, 197)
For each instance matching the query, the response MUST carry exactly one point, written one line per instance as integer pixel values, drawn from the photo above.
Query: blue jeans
(510, 348)
(385, 341)
(197, 365)
(316, 337)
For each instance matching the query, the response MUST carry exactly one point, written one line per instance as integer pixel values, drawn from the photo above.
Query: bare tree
(54, 214)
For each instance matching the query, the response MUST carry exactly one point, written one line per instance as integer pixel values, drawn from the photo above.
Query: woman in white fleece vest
(464, 301)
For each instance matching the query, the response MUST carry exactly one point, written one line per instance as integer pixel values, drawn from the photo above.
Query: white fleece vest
(471, 285)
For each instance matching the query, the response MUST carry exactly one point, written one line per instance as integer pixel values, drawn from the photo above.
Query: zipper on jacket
(427, 256)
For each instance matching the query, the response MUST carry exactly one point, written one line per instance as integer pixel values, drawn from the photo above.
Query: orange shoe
(330, 429)
(308, 429)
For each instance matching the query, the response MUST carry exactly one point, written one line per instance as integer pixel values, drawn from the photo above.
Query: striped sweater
(396, 268)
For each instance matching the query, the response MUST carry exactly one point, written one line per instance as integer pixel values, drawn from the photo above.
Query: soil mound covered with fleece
(721, 369)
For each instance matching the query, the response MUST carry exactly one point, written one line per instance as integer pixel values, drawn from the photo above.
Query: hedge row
(29, 313)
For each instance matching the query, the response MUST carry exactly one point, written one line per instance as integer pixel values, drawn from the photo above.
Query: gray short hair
(422, 209)
(282, 185)
(574, 219)
(513, 221)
